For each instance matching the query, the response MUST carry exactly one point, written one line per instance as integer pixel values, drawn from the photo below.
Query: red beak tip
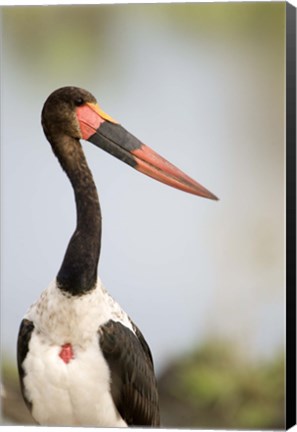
(214, 198)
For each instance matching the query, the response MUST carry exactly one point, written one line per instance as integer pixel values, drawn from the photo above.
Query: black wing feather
(133, 382)
(24, 337)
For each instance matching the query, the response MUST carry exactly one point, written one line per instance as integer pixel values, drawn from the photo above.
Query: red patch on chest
(66, 353)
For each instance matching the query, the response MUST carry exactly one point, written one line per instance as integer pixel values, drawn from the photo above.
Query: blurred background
(202, 84)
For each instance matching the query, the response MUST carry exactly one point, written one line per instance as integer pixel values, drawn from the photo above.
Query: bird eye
(79, 101)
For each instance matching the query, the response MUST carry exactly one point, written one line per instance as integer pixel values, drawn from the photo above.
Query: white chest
(76, 393)
(69, 394)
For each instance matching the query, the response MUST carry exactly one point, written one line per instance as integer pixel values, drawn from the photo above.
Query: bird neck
(78, 272)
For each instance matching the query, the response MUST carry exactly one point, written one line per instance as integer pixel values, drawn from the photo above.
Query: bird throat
(78, 272)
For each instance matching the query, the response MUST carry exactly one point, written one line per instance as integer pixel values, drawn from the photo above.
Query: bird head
(71, 112)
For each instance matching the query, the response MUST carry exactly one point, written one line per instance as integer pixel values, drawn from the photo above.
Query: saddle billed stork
(81, 360)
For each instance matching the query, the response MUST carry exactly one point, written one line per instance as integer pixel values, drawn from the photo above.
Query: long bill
(103, 131)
